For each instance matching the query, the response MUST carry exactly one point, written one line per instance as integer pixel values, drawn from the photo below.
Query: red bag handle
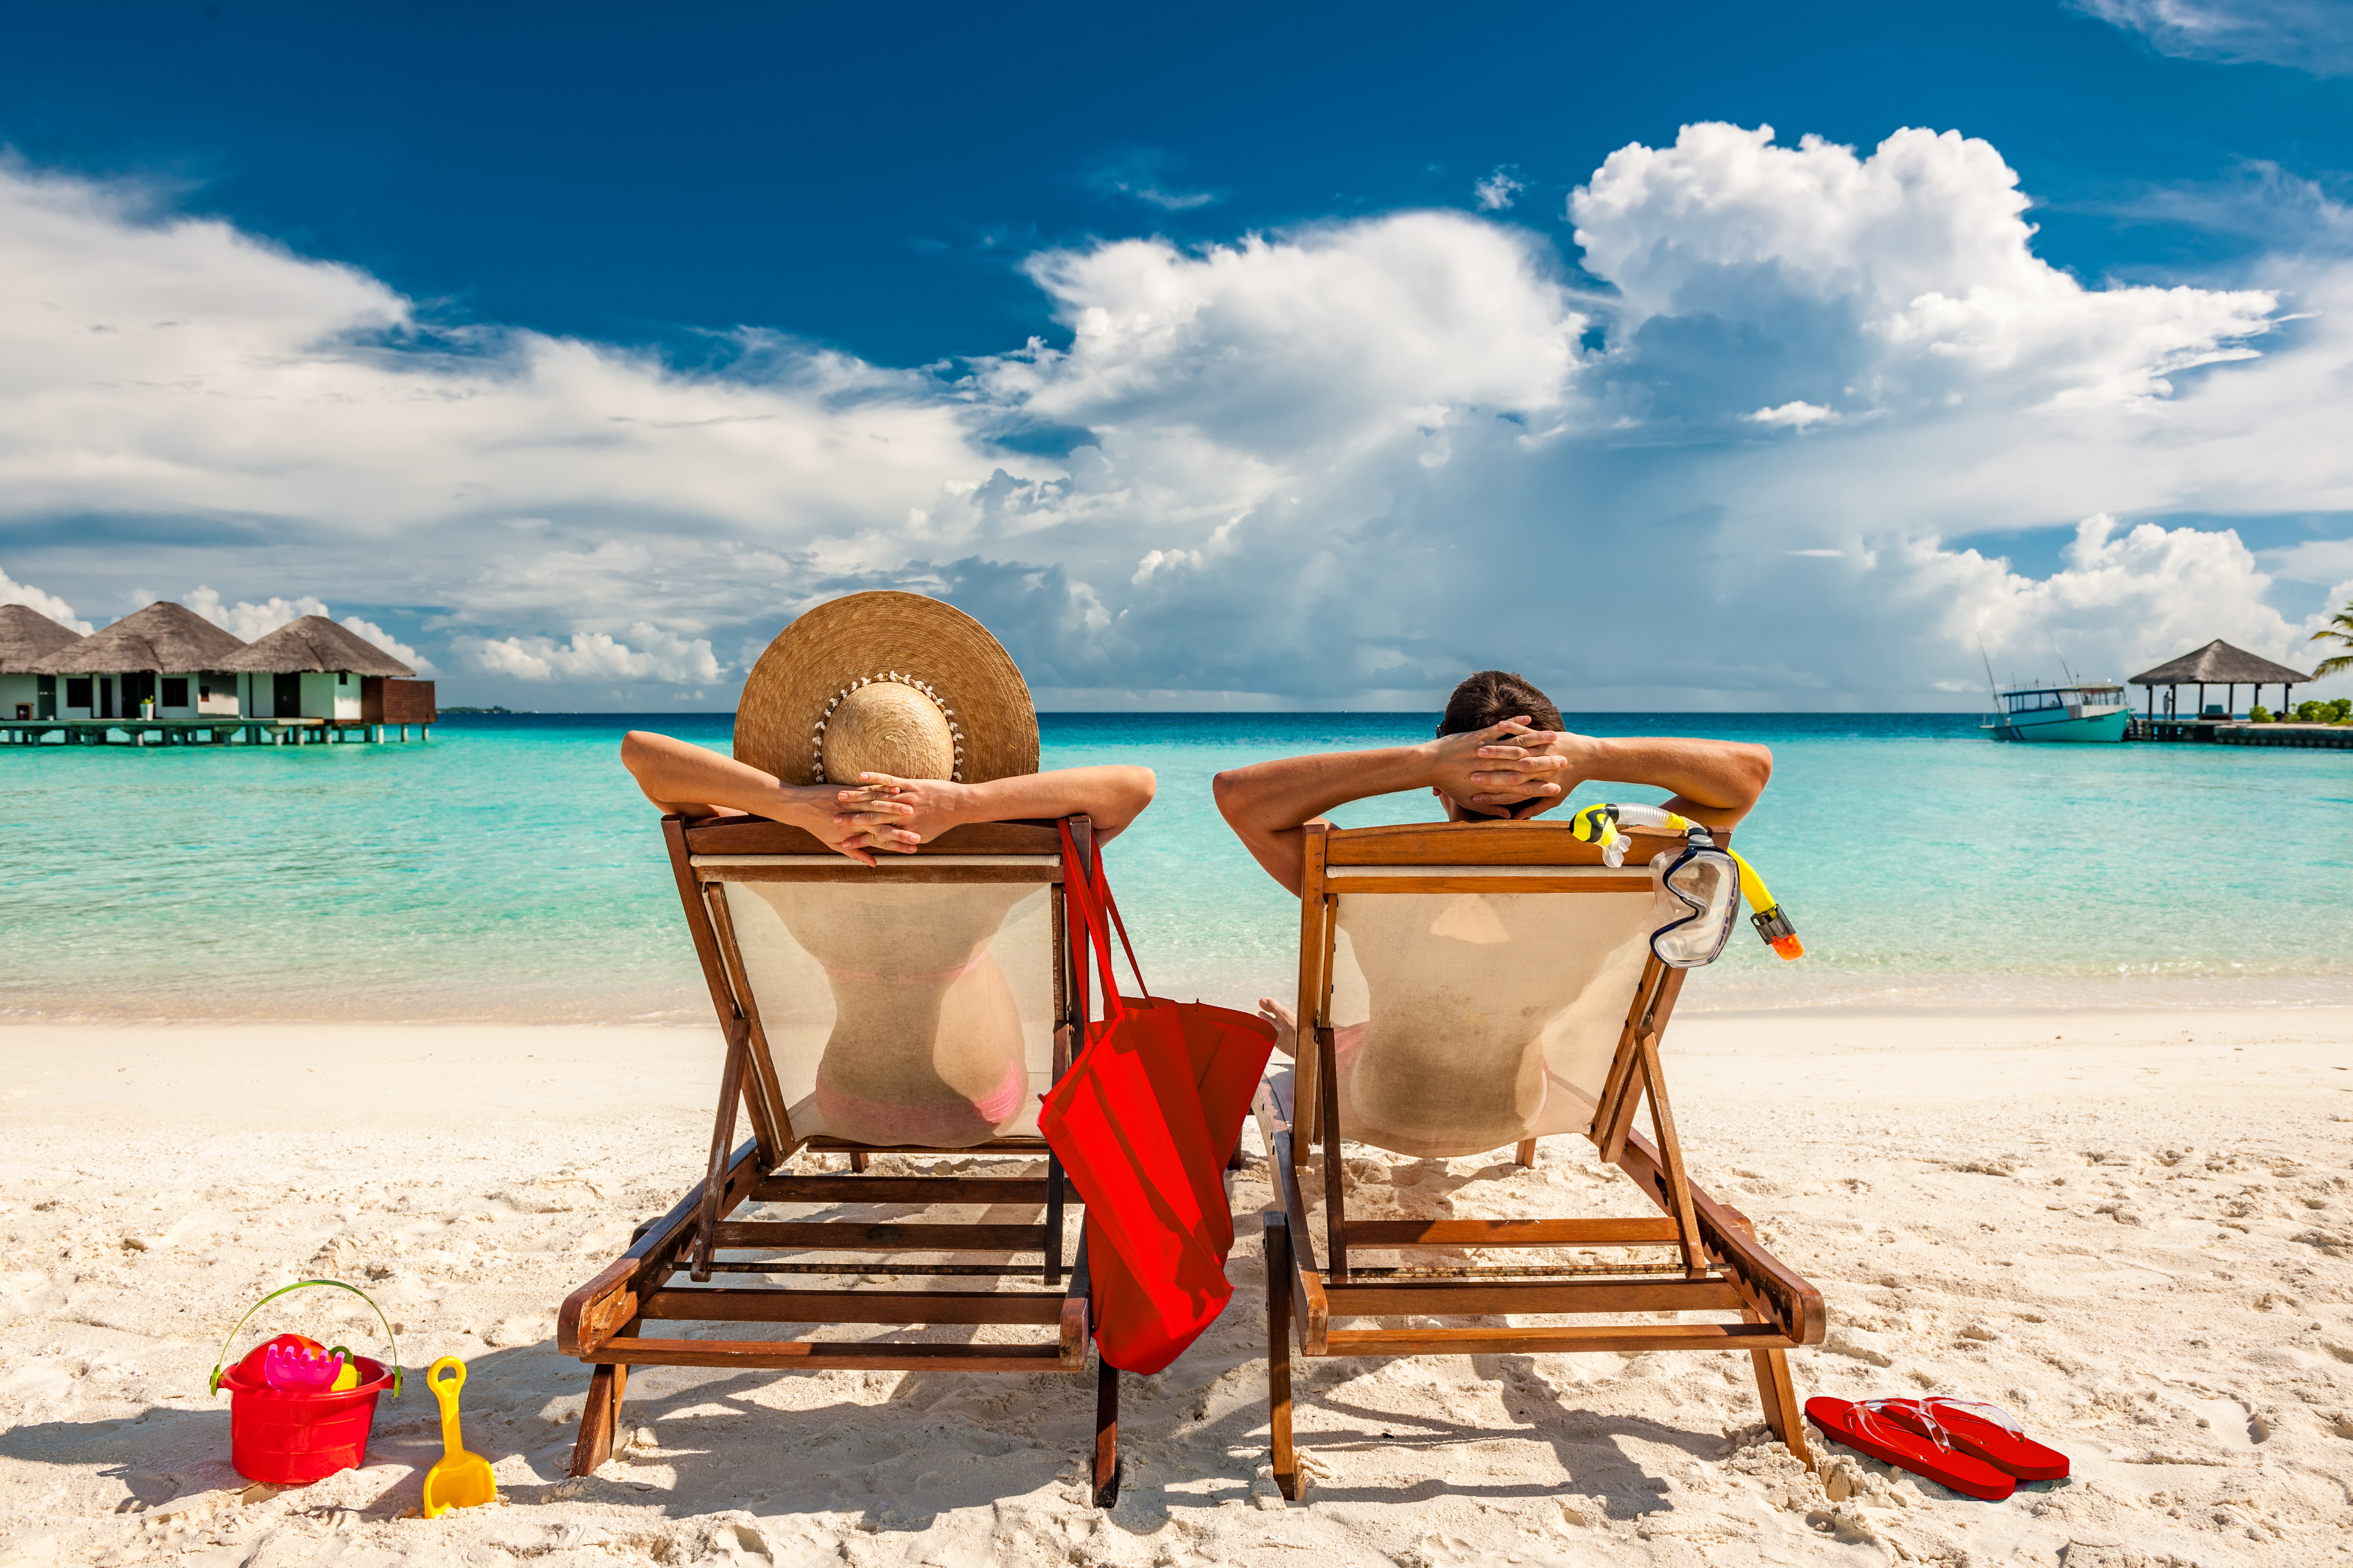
(1085, 887)
(1078, 894)
(1111, 906)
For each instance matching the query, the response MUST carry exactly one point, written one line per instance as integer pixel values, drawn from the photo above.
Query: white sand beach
(2133, 1230)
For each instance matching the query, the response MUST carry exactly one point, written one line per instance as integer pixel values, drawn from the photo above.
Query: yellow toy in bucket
(460, 1480)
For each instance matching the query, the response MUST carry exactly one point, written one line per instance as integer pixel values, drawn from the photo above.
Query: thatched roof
(163, 636)
(27, 637)
(316, 642)
(2220, 663)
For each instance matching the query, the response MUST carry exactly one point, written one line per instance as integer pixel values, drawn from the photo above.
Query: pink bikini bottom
(941, 1126)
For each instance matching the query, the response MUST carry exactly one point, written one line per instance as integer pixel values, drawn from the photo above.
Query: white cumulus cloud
(369, 631)
(594, 655)
(1903, 277)
(1497, 191)
(2141, 594)
(1797, 413)
(1335, 337)
(248, 620)
(1333, 466)
(152, 364)
(252, 622)
(15, 593)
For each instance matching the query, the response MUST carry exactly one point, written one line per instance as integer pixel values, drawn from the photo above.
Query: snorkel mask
(1695, 893)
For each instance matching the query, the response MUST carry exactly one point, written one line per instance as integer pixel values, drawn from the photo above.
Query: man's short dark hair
(1492, 696)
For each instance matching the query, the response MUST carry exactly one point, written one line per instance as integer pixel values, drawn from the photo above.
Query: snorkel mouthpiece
(1778, 933)
(1598, 825)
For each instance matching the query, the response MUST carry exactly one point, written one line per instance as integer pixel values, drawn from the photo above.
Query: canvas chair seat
(902, 1011)
(918, 1006)
(1469, 987)
(1451, 1039)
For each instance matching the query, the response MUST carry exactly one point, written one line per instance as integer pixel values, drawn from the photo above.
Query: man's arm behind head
(1501, 752)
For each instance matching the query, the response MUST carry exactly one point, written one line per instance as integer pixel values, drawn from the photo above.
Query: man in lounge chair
(1500, 753)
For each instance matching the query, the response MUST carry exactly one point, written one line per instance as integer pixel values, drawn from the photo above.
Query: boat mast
(2072, 679)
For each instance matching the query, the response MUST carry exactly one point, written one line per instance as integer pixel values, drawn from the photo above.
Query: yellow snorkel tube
(1599, 826)
(1781, 933)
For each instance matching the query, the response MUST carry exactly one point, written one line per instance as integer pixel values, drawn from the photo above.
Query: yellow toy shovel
(460, 1480)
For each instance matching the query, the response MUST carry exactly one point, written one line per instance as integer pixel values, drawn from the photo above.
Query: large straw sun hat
(886, 683)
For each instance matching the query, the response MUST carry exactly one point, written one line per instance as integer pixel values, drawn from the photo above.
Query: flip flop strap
(1991, 1414)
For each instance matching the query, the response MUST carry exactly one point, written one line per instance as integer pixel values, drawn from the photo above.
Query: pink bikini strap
(922, 977)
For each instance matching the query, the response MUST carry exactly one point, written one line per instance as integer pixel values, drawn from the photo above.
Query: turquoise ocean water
(509, 870)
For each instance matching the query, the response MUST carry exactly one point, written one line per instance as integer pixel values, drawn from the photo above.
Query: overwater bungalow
(313, 669)
(169, 676)
(162, 662)
(27, 637)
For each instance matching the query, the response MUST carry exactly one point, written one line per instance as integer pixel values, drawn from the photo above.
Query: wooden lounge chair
(1458, 945)
(776, 1008)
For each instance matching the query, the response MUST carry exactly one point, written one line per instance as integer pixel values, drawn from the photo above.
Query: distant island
(447, 712)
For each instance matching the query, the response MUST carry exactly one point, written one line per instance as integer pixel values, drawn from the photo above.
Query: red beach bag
(1143, 1122)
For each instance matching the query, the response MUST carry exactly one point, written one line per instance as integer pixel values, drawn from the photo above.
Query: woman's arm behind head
(1113, 795)
(694, 781)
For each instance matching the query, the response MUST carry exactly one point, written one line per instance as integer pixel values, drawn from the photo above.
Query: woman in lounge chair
(882, 769)
(877, 722)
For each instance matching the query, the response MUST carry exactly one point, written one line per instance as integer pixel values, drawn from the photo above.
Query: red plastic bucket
(290, 1439)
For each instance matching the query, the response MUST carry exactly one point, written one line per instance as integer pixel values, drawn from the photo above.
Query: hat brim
(866, 635)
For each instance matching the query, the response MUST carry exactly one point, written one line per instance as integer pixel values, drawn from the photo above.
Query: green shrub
(2259, 714)
(2312, 712)
(2341, 710)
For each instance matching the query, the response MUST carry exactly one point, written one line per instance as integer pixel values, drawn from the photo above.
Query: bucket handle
(213, 1386)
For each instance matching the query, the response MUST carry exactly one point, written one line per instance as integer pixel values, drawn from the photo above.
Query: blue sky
(576, 349)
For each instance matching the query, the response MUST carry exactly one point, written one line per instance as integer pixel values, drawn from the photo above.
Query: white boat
(2090, 710)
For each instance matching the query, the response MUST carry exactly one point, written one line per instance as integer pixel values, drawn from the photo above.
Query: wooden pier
(214, 732)
(2239, 732)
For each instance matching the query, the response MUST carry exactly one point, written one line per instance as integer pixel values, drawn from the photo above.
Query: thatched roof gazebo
(27, 637)
(315, 645)
(2220, 663)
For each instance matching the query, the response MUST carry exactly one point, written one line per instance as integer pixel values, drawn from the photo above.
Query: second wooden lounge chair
(1496, 983)
(792, 937)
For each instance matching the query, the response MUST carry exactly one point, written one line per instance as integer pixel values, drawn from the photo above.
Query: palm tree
(2339, 629)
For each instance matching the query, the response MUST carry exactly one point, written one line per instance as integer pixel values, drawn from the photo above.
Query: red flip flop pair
(1976, 1449)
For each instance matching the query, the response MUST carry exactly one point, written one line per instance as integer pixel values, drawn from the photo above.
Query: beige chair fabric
(1463, 1022)
(913, 1013)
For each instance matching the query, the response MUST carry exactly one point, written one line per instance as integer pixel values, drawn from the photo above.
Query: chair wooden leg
(1054, 1199)
(600, 1419)
(1278, 1354)
(857, 1161)
(1780, 1398)
(722, 1149)
(1525, 1154)
(1107, 1469)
